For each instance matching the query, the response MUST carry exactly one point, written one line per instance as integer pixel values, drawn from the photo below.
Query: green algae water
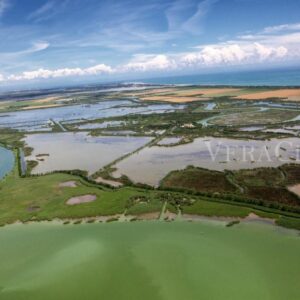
(149, 260)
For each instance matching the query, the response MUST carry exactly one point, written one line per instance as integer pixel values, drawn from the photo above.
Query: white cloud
(250, 49)
(233, 54)
(39, 46)
(144, 63)
(4, 4)
(283, 27)
(1, 78)
(46, 74)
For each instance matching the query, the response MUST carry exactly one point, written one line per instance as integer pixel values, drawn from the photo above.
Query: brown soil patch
(81, 199)
(191, 217)
(169, 215)
(295, 189)
(33, 208)
(68, 184)
(294, 94)
(40, 106)
(149, 216)
(206, 92)
(185, 95)
(45, 100)
(254, 217)
(173, 99)
(109, 182)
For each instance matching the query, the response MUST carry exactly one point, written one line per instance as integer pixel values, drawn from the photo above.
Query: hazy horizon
(51, 42)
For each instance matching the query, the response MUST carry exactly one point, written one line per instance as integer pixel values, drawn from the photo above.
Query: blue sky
(77, 40)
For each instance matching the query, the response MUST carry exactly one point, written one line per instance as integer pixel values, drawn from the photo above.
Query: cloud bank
(46, 74)
(274, 44)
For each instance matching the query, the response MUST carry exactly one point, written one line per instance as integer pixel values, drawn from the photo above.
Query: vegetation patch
(198, 179)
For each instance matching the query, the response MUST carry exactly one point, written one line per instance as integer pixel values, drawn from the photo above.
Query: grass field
(44, 198)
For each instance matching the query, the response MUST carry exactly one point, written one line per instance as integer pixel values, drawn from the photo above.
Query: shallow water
(251, 128)
(69, 151)
(151, 164)
(100, 125)
(7, 160)
(149, 260)
(169, 141)
(281, 130)
(210, 106)
(22, 120)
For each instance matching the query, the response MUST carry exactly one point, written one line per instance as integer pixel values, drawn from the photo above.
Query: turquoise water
(282, 77)
(7, 160)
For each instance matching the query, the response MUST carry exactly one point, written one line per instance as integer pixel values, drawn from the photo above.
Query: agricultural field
(194, 93)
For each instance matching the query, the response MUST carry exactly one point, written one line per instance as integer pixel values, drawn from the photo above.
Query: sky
(64, 41)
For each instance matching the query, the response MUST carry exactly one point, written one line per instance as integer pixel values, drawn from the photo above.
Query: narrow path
(149, 144)
(59, 125)
(163, 210)
(230, 178)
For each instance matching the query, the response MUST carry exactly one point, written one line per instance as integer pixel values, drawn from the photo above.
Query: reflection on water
(69, 151)
(252, 128)
(210, 106)
(7, 161)
(281, 130)
(151, 164)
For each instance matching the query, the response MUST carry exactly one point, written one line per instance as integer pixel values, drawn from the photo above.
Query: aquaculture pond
(7, 160)
(149, 260)
(210, 153)
(69, 151)
(22, 120)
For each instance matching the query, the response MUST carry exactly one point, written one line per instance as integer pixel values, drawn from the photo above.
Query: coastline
(156, 216)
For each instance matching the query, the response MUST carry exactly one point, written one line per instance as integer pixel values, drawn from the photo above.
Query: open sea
(278, 77)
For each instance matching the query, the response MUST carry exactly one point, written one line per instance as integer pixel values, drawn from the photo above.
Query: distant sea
(286, 77)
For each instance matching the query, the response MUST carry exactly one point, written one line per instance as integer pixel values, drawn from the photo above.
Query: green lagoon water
(149, 260)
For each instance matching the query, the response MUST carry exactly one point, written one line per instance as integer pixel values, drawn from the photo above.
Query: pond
(149, 260)
(22, 120)
(69, 151)
(169, 141)
(106, 124)
(210, 106)
(210, 153)
(252, 128)
(7, 160)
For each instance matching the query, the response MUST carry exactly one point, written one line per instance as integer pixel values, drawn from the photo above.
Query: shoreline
(155, 216)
